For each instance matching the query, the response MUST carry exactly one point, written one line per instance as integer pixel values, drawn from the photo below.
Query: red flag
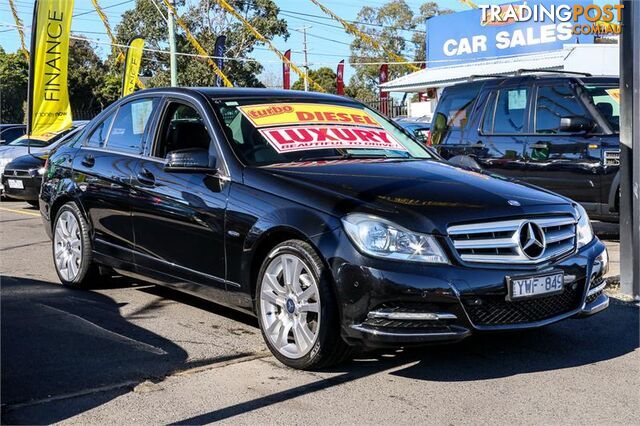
(384, 96)
(340, 78)
(286, 71)
(422, 96)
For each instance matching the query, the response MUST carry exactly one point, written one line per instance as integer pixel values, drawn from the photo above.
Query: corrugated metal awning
(452, 74)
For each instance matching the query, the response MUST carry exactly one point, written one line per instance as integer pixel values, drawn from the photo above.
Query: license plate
(15, 184)
(537, 285)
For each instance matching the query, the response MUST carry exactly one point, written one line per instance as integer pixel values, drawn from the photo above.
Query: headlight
(584, 232)
(383, 239)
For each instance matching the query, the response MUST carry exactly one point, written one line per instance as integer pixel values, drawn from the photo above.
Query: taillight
(46, 164)
(428, 137)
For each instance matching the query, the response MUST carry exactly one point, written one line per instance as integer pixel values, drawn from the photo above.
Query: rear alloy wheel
(72, 251)
(296, 308)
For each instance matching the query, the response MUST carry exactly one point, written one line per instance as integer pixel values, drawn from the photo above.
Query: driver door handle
(88, 160)
(145, 177)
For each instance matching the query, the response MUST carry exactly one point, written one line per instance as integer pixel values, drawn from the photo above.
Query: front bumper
(452, 301)
(30, 190)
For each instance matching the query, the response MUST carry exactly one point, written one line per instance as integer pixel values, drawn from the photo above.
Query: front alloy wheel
(297, 309)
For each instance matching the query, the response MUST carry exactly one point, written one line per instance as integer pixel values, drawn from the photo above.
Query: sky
(327, 45)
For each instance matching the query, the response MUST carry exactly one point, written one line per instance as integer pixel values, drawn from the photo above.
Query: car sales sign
(464, 37)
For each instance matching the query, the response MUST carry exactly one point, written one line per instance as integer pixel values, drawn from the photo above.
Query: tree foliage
(206, 20)
(397, 28)
(14, 79)
(324, 76)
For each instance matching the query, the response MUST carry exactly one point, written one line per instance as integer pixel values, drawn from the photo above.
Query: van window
(553, 103)
(453, 111)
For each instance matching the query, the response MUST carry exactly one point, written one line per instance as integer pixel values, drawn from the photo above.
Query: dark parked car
(557, 131)
(22, 177)
(11, 132)
(319, 216)
(419, 129)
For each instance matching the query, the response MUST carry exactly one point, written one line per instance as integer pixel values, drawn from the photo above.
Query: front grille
(500, 242)
(19, 173)
(612, 158)
(495, 310)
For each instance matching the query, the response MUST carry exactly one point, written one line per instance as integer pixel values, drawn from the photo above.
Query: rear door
(566, 163)
(179, 216)
(103, 169)
(499, 145)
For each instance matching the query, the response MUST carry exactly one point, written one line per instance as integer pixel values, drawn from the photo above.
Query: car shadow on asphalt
(568, 344)
(66, 351)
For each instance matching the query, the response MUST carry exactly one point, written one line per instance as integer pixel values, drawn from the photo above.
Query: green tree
(397, 28)
(324, 76)
(206, 20)
(14, 79)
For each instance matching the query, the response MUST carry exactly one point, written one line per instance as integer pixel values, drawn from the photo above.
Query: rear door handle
(145, 177)
(540, 145)
(88, 160)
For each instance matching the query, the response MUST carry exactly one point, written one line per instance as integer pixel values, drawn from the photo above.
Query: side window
(182, 128)
(453, 112)
(98, 136)
(130, 125)
(510, 109)
(553, 103)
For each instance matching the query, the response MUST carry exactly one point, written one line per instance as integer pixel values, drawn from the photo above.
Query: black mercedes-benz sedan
(319, 216)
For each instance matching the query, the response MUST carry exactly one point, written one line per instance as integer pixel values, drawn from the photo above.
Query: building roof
(597, 59)
(452, 74)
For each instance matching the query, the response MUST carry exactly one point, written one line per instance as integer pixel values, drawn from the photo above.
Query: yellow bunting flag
(132, 65)
(49, 109)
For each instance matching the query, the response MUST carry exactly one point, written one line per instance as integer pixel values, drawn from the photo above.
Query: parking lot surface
(138, 353)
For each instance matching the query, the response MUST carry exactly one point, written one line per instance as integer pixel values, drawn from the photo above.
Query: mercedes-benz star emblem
(532, 242)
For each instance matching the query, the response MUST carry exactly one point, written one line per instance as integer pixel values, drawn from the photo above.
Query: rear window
(453, 111)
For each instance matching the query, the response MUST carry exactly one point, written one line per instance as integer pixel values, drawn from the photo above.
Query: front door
(179, 217)
(566, 163)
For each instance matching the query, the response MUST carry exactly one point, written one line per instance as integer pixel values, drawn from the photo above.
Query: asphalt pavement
(137, 353)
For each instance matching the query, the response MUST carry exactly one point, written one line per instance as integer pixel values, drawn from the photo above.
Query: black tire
(87, 276)
(329, 348)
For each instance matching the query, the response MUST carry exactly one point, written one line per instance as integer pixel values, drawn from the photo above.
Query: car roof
(236, 92)
(525, 78)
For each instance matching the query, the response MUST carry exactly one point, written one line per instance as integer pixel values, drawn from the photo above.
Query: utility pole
(173, 66)
(306, 62)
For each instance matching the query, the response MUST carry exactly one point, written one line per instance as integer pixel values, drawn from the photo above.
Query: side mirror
(576, 124)
(193, 160)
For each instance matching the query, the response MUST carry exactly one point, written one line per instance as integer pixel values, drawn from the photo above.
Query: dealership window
(506, 112)
(130, 125)
(553, 103)
(98, 136)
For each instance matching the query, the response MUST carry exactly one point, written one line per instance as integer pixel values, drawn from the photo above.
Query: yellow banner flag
(132, 65)
(49, 108)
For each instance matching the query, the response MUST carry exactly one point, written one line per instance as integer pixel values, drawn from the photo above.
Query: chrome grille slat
(498, 242)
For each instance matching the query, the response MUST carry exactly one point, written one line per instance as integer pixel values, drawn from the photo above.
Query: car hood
(426, 196)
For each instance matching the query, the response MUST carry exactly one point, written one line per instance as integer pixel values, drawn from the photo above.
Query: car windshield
(267, 131)
(40, 143)
(606, 99)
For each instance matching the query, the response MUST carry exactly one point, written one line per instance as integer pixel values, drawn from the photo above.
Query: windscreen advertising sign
(466, 37)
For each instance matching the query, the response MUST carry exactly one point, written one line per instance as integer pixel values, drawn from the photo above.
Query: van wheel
(297, 310)
(72, 250)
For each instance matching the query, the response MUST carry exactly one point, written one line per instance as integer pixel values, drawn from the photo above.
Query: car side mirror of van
(576, 124)
(191, 160)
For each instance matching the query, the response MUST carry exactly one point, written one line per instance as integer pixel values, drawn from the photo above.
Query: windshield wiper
(350, 155)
